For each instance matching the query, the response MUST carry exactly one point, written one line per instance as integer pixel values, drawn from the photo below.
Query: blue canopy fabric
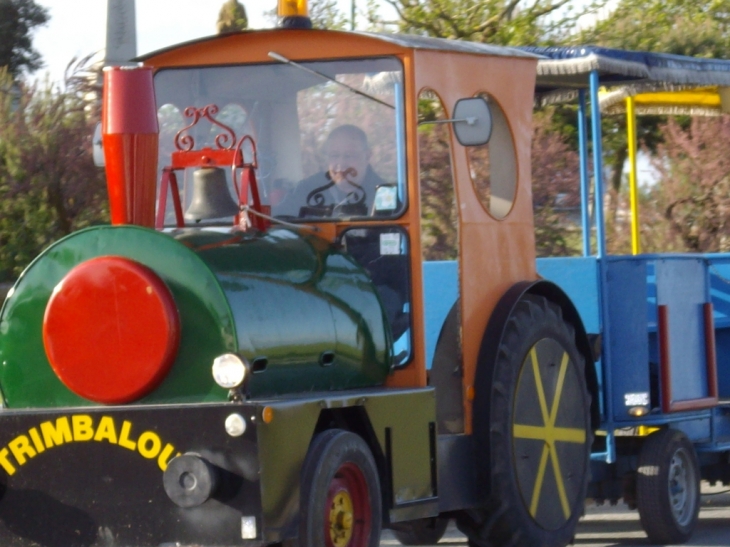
(562, 69)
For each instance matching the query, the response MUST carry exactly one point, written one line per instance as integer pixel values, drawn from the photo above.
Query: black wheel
(340, 496)
(668, 487)
(539, 431)
(421, 531)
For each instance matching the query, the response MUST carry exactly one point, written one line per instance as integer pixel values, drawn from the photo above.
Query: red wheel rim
(348, 515)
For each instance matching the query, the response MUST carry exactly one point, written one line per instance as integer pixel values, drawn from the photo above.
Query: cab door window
(383, 252)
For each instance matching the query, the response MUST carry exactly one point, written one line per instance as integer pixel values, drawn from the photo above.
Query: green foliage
(692, 196)
(49, 185)
(439, 235)
(17, 19)
(555, 188)
(232, 17)
(325, 15)
(699, 28)
(512, 22)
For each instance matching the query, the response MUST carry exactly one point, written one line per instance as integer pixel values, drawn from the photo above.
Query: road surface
(618, 526)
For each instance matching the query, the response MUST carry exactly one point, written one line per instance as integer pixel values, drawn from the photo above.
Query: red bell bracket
(229, 152)
(251, 212)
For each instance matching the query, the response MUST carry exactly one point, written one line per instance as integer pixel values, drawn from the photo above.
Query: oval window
(493, 166)
(439, 224)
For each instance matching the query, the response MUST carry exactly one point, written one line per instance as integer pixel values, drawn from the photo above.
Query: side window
(351, 143)
(383, 252)
(234, 116)
(440, 253)
(170, 120)
(439, 238)
(493, 166)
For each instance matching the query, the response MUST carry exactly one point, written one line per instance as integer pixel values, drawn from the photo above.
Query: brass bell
(211, 197)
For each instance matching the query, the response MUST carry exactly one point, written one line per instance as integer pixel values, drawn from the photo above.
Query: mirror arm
(471, 120)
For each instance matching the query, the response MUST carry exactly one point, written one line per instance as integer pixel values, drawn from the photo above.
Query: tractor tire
(539, 431)
(668, 487)
(341, 504)
(426, 531)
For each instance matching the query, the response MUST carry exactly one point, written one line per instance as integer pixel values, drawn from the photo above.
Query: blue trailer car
(663, 319)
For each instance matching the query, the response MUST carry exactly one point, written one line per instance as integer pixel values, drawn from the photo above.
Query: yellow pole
(633, 190)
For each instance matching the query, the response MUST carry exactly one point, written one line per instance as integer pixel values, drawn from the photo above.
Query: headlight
(229, 371)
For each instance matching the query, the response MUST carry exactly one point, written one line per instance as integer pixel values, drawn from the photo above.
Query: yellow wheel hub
(341, 519)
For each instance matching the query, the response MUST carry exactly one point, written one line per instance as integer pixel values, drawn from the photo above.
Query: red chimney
(130, 138)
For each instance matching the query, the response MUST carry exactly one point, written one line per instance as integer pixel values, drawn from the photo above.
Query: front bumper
(92, 477)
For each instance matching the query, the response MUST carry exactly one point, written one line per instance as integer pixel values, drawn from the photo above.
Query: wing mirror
(472, 121)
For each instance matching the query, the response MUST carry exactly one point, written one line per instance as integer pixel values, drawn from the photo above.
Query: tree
(555, 189)
(693, 190)
(17, 19)
(325, 15)
(49, 185)
(439, 227)
(512, 22)
(232, 17)
(699, 29)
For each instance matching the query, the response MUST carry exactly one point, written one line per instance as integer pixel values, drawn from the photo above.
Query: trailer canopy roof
(563, 70)
(633, 82)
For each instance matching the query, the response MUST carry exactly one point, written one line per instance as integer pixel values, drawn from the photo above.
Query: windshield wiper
(284, 60)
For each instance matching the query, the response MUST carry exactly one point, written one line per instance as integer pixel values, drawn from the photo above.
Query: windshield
(324, 150)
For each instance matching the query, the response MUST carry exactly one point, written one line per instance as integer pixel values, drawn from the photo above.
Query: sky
(77, 27)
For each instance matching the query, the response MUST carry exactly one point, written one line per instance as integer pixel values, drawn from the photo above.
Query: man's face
(345, 152)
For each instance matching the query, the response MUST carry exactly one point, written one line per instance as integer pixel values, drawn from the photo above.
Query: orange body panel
(494, 254)
(299, 45)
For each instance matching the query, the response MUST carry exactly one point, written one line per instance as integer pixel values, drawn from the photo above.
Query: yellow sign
(81, 428)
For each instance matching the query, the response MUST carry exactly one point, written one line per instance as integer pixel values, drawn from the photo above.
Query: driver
(347, 187)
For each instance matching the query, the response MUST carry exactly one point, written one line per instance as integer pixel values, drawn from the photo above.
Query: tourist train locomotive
(243, 359)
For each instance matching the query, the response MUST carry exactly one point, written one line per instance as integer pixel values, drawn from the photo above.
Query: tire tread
(503, 524)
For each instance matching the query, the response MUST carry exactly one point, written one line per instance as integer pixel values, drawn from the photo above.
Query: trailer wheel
(539, 430)
(421, 532)
(340, 493)
(668, 487)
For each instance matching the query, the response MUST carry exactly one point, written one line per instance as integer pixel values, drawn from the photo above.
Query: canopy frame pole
(584, 180)
(597, 135)
(633, 178)
(597, 164)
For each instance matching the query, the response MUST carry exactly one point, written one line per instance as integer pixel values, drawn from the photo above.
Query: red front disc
(111, 330)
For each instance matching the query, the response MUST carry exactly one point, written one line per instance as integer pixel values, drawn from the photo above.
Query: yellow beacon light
(294, 14)
(288, 8)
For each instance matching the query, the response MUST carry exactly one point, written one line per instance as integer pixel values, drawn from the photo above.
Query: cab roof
(401, 40)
